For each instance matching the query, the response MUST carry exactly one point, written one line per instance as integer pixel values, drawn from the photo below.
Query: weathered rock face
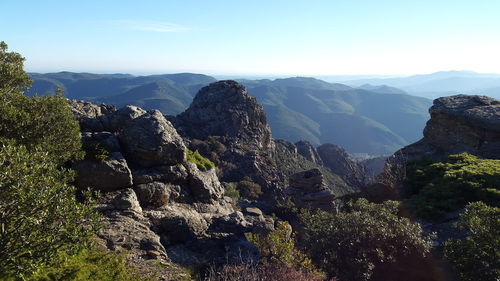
(337, 160)
(225, 113)
(308, 151)
(156, 204)
(109, 175)
(226, 109)
(459, 124)
(150, 140)
(308, 190)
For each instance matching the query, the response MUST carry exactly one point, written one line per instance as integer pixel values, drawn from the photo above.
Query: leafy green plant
(39, 213)
(363, 240)
(91, 265)
(12, 75)
(94, 151)
(447, 186)
(231, 190)
(278, 247)
(201, 162)
(249, 189)
(477, 257)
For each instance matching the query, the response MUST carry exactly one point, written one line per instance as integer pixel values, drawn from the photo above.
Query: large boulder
(108, 175)
(308, 190)
(226, 109)
(459, 124)
(204, 186)
(151, 140)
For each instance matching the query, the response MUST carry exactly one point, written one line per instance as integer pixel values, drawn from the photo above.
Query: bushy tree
(39, 213)
(13, 78)
(477, 257)
(363, 239)
(45, 122)
(447, 186)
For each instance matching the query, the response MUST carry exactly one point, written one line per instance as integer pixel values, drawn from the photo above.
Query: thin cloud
(151, 26)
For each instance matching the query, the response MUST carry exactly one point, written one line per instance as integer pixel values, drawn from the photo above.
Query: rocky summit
(159, 204)
(459, 124)
(225, 108)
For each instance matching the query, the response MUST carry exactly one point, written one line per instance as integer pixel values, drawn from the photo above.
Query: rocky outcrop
(308, 190)
(108, 175)
(225, 113)
(459, 124)
(157, 204)
(226, 109)
(337, 160)
(308, 151)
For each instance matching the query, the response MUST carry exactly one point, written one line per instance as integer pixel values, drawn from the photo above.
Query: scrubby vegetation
(363, 240)
(201, 162)
(442, 187)
(477, 257)
(46, 226)
(231, 190)
(249, 189)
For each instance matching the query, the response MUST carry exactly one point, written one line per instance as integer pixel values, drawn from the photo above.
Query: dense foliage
(12, 75)
(477, 257)
(278, 247)
(201, 162)
(39, 213)
(446, 186)
(87, 265)
(363, 240)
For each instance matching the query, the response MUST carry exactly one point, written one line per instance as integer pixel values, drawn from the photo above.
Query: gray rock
(204, 186)
(459, 124)
(150, 140)
(337, 160)
(231, 223)
(309, 152)
(307, 189)
(106, 139)
(156, 194)
(112, 174)
(126, 200)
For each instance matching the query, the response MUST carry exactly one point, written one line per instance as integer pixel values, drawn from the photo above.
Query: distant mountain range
(369, 119)
(438, 84)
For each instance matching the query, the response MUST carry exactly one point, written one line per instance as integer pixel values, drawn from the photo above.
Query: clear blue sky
(254, 37)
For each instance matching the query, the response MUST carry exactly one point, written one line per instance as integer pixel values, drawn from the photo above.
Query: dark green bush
(447, 186)
(39, 213)
(201, 162)
(477, 257)
(248, 189)
(363, 240)
(231, 190)
(94, 151)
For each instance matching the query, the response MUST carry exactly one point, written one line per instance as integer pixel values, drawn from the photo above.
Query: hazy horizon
(258, 38)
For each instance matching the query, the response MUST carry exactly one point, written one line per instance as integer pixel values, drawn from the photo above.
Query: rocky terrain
(459, 124)
(165, 209)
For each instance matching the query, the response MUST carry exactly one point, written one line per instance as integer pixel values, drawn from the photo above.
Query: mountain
(444, 83)
(370, 119)
(357, 119)
(170, 93)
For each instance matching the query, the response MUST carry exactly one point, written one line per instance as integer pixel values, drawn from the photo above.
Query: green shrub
(278, 247)
(39, 213)
(477, 257)
(447, 186)
(94, 151)
(91, 265)
(201, 162)
(44, 122)
(248, 189)
(363, 240)
(231, 190)
(12, 75)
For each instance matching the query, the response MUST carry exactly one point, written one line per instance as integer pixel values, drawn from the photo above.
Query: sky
(254, 37)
